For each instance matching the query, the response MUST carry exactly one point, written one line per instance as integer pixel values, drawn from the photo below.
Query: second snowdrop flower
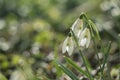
(84, 38)
(77, 27)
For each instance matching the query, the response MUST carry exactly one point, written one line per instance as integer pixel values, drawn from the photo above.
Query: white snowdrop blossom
(77, 27)
(84, 38)
(68, 45)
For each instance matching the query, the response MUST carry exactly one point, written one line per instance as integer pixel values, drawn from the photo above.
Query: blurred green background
(32, 32)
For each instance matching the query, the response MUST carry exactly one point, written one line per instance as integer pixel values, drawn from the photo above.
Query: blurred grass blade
(76, 66)
(88, 63)
(2, 77)
(106, 56)
(68, 72)
(108, 72)
(119, 42)
(58, 70)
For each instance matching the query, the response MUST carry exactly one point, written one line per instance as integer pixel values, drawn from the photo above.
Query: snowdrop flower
(68, 45)
(77, 27)
(84, 38)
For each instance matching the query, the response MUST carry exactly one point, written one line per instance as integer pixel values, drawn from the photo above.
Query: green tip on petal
(69, 34)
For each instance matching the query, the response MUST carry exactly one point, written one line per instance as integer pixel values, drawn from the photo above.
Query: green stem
(102, 78)
(108, 71)
(102, 46)
(119, 44)
(83, 57)
(106, 56)
(84, 17)
(119, 51)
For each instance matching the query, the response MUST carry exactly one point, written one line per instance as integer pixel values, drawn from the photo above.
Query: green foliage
(2, 77)
(32, 32)
(76, 66)
(68, 72)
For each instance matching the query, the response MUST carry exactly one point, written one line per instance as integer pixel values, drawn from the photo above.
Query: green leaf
(94, 28)
(58, 70)
(2, 77)
(67, 71)
(88, 63)
(76, 66)
(106, 55)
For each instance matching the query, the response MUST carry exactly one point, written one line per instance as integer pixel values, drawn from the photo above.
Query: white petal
(67, 48)
(74, 24)
(79, 32)
(71, 47)
(83, 42)
(89, 38)
(81, 36)
(77, 27)
(64, 45)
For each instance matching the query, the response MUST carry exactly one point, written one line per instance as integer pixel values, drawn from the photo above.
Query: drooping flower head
(84, 38)
(77, 27)
(68, 45)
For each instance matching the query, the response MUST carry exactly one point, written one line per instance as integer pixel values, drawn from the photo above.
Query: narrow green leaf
(88, 64)
(2, 77)
(106, 55)
(76, 66)
(94, 28)
(68, 72)
(58, 70)
(119, 41)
